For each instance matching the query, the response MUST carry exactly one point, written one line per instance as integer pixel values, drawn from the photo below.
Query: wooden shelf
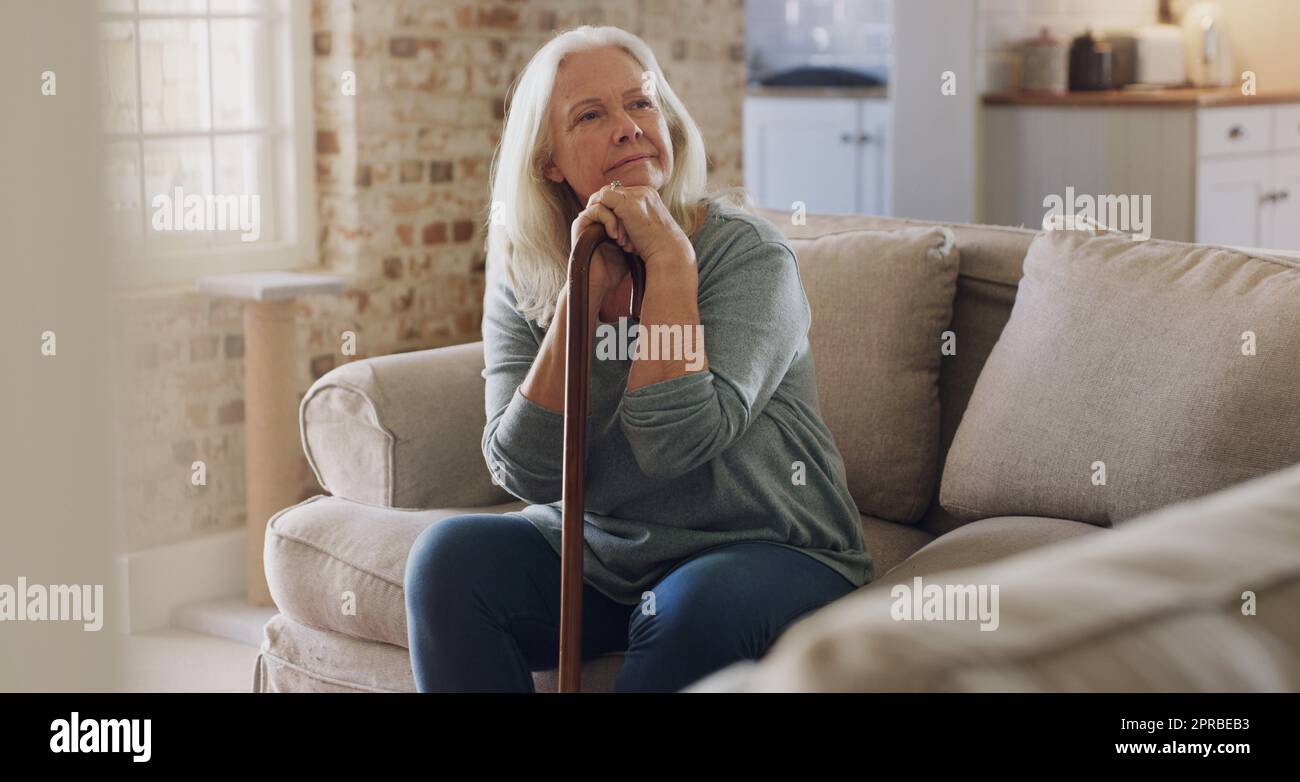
(1179, 96)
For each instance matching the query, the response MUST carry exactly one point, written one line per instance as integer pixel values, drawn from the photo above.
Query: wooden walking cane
(577, 361)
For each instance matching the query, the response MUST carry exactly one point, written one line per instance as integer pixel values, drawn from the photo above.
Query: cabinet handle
(846, 138)
(1283, 195)
(1268, 198)
(866, 138)
(1236, 132)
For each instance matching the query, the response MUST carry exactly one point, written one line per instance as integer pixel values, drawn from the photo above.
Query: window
(206, 112)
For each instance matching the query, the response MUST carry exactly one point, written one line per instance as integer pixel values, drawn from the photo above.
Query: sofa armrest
(402, 431)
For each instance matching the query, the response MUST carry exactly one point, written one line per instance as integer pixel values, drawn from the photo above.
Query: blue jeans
(483, 609)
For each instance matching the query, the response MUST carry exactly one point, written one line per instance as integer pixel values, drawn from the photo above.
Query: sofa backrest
(990, 270)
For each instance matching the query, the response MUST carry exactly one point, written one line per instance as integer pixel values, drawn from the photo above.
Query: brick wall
(401, 172)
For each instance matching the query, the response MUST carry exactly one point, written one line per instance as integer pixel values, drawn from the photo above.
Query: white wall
(934, 135)
(1263, 35)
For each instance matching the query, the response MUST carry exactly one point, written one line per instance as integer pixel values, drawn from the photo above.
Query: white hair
(529, 219)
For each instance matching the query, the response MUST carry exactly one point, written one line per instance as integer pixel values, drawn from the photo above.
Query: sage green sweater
(738, 452)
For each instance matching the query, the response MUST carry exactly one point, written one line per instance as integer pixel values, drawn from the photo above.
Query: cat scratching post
(272, 446)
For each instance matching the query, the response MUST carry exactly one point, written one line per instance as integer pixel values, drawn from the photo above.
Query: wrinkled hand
(636, 217)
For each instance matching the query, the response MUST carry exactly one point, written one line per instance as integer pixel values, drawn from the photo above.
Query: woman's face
(599, 116)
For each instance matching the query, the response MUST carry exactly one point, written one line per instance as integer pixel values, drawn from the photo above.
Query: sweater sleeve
(523, 442)
(755, 317)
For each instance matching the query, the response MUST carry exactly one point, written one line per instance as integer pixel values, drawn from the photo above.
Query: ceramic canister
(1044, 64)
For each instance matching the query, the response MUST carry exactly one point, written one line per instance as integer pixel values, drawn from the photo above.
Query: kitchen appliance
(821, 76)
(1123, 69)
(1091, 62)
(1208, 52)
(1045, 64)
(1161, 60)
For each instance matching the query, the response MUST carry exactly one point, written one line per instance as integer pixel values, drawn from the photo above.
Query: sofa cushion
(326, 550)
(980, 310)
(981, 542)
(881, 301)
(891, 543)
(295, 657)
(989, 271)
(325, 547)
(1122, 381)
(1200, 596)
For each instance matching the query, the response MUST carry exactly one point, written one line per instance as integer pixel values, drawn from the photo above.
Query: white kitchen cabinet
(1234, 130)
(875, 158)
(1284, 206)
(1229, 194)
(1246, 194)
(1032, 152)
(1226, 175)
(1286, 127)
(830, 153)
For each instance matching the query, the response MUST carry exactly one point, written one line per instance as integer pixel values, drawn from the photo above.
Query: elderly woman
(717, 511)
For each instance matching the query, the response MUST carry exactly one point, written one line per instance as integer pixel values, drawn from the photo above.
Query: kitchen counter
(759, 90)
(1174, 96)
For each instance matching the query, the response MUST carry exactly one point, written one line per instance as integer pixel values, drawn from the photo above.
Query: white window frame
(292, 159)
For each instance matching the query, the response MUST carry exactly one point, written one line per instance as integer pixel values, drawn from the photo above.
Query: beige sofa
(394, 440)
